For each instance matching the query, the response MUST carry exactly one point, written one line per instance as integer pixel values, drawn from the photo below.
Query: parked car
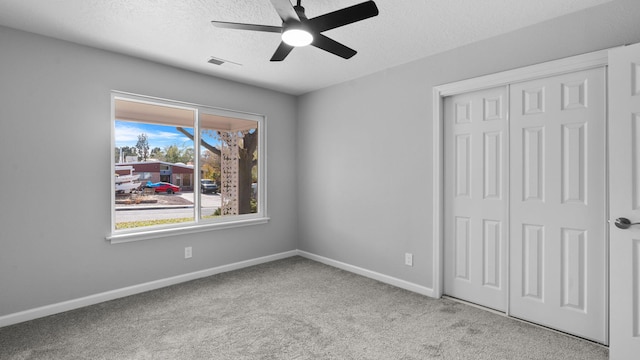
(208, 186)
(163, 187)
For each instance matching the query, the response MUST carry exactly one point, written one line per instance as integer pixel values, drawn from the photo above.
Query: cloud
(126, 134)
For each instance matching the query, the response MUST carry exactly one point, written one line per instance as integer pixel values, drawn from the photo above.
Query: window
(156, 167)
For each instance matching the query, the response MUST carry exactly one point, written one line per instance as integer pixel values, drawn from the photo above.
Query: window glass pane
(154, 157)
(156, 160)
(228, 166)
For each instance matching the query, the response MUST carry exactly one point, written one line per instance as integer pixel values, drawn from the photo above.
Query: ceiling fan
(297, 30)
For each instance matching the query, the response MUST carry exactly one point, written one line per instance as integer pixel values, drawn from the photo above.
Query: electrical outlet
(408, 259)
(188, 252)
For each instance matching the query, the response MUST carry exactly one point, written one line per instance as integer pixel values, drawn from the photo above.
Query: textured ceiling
(179, 33)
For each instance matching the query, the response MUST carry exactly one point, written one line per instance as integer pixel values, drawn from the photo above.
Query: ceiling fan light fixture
(297, 36)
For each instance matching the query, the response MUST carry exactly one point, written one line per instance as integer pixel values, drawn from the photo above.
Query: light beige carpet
(288, 309)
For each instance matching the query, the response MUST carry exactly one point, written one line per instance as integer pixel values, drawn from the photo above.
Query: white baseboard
(132, 290)
(370, 274)
(52, 309)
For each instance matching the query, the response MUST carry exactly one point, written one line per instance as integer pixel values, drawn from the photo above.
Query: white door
(475, 206)
(557, 204)
(624, 180)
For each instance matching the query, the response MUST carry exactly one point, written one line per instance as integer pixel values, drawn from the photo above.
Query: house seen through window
(162, 180)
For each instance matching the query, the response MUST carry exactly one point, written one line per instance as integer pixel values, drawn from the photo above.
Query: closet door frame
(551, 68)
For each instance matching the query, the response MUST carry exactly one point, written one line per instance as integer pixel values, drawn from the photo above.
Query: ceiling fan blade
(281, 52)
(285, 10)
(344, 16)
(332, 46)
(252, 27)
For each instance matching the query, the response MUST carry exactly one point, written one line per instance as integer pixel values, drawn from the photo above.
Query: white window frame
(198, 225)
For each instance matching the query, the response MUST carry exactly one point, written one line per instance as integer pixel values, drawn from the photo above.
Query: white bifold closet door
(525, 186)
(558, 214)
(475, 207)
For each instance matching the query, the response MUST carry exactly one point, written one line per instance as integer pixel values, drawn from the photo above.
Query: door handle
(624, 223)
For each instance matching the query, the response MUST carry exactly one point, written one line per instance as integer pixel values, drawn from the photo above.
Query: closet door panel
(476, 196)
(557, 203)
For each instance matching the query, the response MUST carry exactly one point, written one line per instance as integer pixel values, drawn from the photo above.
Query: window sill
(188, 229)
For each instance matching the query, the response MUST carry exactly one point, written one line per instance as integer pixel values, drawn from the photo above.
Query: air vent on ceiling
(218, 61)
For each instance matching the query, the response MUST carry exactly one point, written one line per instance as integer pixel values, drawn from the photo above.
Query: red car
(163, 187)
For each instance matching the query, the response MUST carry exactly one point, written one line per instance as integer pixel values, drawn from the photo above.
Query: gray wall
(55, 169)
(365, 155)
